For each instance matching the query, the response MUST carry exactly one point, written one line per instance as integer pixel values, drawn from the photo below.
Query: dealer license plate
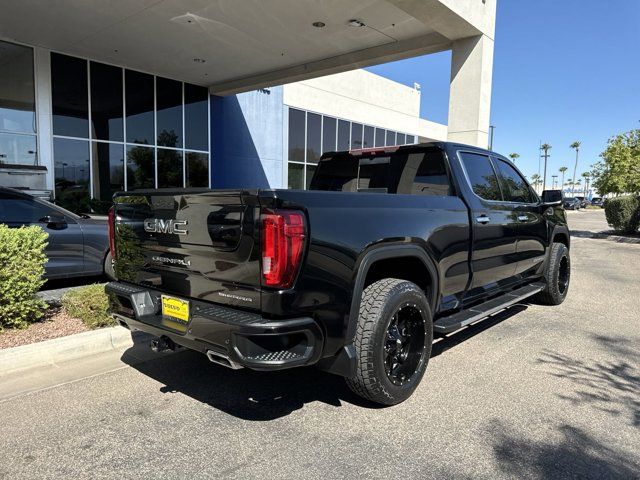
(175, 308)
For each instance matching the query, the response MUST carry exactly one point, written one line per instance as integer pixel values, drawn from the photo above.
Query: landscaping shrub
(22, 261)
(89, 304)
(623, 213)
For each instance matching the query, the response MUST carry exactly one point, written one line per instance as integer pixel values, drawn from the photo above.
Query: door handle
(523, 218)
(483, 219)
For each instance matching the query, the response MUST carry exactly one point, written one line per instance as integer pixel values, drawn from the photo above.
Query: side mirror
(552, 197)
(54, 222)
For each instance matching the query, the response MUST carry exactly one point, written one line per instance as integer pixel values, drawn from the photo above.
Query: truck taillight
(283, 235)
(111, 227)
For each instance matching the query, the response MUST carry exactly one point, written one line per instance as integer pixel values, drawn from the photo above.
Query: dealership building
(119, 95)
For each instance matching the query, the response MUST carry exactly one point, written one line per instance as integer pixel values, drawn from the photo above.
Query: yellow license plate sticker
(175, 308)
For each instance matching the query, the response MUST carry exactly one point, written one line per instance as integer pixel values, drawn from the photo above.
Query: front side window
(17, 106)
(482, 178)
(514, 187)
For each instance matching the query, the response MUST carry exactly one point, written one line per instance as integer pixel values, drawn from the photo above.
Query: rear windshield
(420, 172)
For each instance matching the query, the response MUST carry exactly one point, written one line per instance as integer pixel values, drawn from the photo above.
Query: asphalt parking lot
(534, 392)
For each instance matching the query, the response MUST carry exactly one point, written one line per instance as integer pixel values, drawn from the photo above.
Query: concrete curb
(605, 236)
(59, 350)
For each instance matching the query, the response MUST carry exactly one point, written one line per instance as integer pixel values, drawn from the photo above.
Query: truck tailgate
(197, 244)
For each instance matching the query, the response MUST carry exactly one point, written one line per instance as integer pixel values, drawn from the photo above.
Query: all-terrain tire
(380, 303)
(557, 276)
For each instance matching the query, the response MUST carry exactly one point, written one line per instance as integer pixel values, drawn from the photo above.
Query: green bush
(22, 260)
(623, 213)
(89, 304)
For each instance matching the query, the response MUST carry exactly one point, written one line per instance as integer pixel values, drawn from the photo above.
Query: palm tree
(575, 145)
(535, 180)
(586, 176)
(562, 170)
(545, 147)
(514, 157)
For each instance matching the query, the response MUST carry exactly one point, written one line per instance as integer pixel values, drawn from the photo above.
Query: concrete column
(44, 114)
(470, 90)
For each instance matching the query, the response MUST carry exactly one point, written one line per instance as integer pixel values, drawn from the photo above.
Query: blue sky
(563, 71)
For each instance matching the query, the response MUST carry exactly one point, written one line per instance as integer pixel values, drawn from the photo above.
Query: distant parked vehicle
(571, 203)
(584, 203)
(597, 202)
(78, 244)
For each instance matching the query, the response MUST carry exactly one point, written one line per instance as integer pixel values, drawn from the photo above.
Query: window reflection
(169, 114)
(367, 141)
(344, 132)
(314, 122)
(296, 176)
(169, 168)
(197, 165)
(139, 102)
(106, 102)
(140, 167)
(18, 149)
(312, 135)
(310, 170)
(69, 96)
(71, 165)
(296, 135)
(391, 138)
(328, 134)
(17, 95)
(107, 172)
(196, 114)
(356, 135)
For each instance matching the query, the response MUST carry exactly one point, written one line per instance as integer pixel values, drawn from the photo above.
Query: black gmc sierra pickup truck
(386, 248)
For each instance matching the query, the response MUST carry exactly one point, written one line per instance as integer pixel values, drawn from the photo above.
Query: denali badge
(172, 261)
(159, 225)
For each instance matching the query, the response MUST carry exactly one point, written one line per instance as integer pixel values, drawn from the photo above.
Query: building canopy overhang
(238, 45)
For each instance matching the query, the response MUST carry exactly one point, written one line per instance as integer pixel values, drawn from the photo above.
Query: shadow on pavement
(262, 396)
(568, 453)
(608, 386)
(246, 394)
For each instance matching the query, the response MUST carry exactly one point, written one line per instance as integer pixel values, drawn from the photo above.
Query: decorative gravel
(54, 324)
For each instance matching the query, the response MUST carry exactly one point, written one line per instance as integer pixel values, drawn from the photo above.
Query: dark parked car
(78, 244)
(571, 203)
(388, 247)
(584, 203)
(597, 202)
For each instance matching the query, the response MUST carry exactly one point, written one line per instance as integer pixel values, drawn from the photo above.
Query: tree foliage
(619, 170)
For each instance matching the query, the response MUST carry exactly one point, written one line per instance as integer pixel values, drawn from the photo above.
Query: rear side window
(514, 187)
(425, 173)
(482, 177)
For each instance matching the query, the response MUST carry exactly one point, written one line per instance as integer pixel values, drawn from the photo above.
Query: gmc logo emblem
(159, 225)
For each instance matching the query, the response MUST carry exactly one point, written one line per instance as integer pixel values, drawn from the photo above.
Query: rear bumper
(246, 339)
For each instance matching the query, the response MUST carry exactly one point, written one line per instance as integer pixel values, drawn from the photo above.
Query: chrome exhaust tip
(221, 359)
